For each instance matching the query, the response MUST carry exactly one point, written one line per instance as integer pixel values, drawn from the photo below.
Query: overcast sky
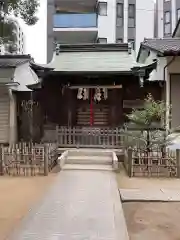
(36, 36)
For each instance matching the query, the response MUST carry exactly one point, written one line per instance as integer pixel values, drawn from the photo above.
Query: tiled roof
(93, 58)
(13, 60)
(165, 46)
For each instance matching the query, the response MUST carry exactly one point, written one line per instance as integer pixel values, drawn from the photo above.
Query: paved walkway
(82, 205)
(161, 194)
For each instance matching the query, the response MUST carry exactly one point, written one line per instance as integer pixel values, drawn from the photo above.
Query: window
(167, 23)
(102, 8)
(167, 17)
(119, 10)
(178, 14)
(167, 29)
(119, 40)
(131, 11)
(119, 14)
(119, 22)
(102, 40)
(132, 42)
(131, 16)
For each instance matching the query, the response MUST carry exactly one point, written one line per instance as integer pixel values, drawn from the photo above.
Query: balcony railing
(86, 20)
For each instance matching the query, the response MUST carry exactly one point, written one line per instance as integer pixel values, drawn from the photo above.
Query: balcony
(75, 27)
(86, 20)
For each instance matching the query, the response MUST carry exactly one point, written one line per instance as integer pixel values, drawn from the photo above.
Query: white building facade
(103, 21)
(167, 16)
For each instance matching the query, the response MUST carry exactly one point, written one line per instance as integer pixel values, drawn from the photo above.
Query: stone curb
(119, 213)
(151, 195)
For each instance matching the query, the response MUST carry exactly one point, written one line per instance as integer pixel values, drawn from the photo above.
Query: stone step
(87, 167)
(95, 157)
(89, 160)
(85, 162)
(89, 152)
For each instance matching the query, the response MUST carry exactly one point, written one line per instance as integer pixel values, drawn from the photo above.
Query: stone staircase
(88, 160)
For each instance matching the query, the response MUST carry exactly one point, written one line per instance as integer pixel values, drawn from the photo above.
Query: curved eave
(150, 66)
(173, 53)
(40, 67)
(144, 70)
(34, 86)
(89, 73)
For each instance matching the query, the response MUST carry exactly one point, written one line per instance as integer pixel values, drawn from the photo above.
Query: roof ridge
(16, 56)
(95, 47)
(163, 46)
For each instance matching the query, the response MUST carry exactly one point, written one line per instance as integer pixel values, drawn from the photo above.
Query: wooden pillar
(12, 118)
(115, 96)
(168, 101)
(69, 106)
(112, 99)
(119, 106)
(46, 160)
(25, 117)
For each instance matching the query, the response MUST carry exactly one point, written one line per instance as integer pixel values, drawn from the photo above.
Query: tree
(150, 125)
(25, 9)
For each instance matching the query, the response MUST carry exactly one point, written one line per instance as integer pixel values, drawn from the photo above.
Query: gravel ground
(17, 196)
(152, 220)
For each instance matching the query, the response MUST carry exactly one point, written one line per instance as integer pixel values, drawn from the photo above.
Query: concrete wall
(159, 19)
(107, 24)
(173, 15)
(50, 37)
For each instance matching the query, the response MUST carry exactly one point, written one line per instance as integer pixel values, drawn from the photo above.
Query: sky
(36, 36)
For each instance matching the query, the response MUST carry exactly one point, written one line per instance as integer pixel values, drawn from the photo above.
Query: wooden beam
(93, 86)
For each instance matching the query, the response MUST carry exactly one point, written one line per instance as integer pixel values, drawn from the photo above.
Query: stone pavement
(140, 195)
(82, 205)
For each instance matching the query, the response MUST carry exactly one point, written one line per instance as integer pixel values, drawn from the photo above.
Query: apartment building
(167, 14)
(103, 21)
(20, 43)
(18, 47)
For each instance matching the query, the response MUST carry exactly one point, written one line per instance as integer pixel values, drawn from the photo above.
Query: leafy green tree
(150, 125)
(25, 9)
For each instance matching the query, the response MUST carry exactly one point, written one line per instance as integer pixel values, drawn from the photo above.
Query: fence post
(46, 160)
(130, 162)
(57, 130)
(1, 162)
(178, 162)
